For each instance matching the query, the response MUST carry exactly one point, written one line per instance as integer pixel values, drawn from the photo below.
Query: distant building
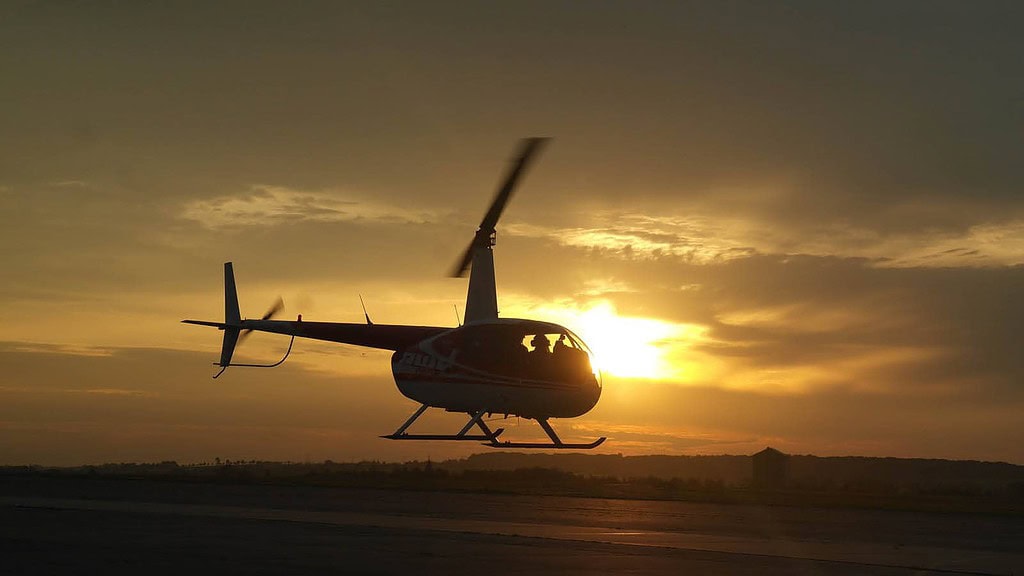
(770, 468)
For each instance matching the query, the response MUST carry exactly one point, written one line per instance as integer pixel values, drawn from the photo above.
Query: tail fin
(231, 314)
(232, 317)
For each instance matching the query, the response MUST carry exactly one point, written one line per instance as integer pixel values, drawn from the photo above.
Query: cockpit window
(551, 341)
(529, 351)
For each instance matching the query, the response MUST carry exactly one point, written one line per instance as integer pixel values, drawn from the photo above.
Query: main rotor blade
(463, 264)
(528, 149)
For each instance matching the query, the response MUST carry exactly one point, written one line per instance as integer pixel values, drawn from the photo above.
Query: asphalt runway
(81, 526)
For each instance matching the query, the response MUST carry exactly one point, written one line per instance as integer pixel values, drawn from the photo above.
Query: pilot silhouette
(541, 344)
(560, 347)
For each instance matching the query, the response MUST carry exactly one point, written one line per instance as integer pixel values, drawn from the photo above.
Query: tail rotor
(274, 310)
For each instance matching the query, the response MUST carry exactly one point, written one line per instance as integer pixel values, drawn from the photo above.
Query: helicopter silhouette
(487, 365)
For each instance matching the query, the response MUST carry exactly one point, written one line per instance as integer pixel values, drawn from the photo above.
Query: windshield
(524, 350)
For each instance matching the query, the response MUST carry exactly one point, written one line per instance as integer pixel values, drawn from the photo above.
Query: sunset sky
(788, 224)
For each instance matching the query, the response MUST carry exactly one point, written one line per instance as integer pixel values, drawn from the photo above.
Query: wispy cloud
(70, 184)
(662, 439)
(89, 391)
(69, 349)
(631, 235)
(981, 245)
(704, 240)
(264, 205)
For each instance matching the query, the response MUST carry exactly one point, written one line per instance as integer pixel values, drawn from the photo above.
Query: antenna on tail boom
(361, 303)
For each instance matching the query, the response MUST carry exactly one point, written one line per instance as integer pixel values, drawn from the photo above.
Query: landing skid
(489, 437)
(556, 442)
(545, 445)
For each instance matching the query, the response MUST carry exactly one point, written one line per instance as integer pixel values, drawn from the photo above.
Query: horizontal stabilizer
(218, 325)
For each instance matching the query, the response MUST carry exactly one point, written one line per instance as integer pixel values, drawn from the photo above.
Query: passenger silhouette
(563, 359)
(540, 356)
(560, 347)
(541, 344)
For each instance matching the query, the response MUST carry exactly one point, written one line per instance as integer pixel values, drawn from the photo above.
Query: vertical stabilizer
(232, 317)
(231, 314)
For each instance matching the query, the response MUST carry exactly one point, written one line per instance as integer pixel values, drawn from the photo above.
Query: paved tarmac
(67, 526)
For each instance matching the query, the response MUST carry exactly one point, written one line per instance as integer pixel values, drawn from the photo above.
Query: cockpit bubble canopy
(522, 349)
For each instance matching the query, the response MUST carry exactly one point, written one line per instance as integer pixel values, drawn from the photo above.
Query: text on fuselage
(420, 360)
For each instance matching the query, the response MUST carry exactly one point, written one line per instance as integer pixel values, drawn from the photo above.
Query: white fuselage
(469, 369)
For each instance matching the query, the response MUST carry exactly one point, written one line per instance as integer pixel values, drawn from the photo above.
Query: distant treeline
(934, 485)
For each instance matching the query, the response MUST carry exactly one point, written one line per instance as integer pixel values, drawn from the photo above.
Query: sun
(625, 346)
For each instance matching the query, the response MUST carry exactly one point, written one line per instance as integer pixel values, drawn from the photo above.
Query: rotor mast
(482, 298)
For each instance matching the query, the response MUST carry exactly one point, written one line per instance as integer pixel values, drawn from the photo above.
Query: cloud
(633, 235)
(73, 349)
(662, 439)
(709, 239)
(264, 205)
(71, 184)
(67, 391)
(986, 244)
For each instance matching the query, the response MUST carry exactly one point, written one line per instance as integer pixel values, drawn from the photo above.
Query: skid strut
(475, 419)
(489, 437)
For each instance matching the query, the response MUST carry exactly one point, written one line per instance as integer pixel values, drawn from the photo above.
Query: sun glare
(624, 346)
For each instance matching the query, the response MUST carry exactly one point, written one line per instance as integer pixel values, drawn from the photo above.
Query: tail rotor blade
(273, 311)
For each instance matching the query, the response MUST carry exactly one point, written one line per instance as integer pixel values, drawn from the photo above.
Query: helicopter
(487, 365)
